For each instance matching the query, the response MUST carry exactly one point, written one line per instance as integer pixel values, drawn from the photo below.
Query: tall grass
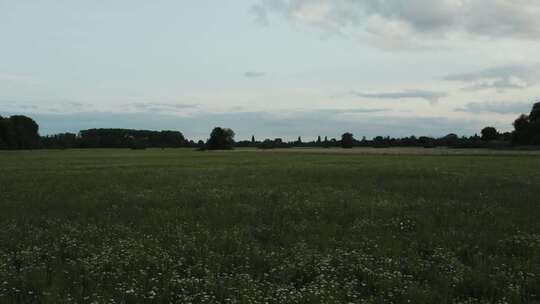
(176, 226)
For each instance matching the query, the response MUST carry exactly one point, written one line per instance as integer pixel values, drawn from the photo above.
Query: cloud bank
(430, 19)
(253, 74)
(431, 96)
(497, 107)
(500, 78)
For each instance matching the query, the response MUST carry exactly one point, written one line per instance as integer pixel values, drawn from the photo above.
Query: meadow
(181, 226)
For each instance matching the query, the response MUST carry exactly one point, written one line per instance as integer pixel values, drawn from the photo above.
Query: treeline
(347, 140)
(21, 132)
(116, 138)
(526, 133)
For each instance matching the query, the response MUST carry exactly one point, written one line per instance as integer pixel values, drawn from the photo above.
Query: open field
(403, 151)
(179, 226)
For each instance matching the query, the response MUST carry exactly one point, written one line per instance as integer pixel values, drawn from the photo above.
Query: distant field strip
(402, 151)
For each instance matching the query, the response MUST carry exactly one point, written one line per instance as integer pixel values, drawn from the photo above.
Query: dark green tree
(535, 113)
(347, 140)
(220, 139)
(60, 141)
(489, 133)
(169, 139)
(22, 132)
(450, 140)
(522, 130)
(527, 128)
(3, 133)
(124, 138)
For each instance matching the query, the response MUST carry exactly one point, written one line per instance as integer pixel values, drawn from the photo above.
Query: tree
(319, 140)
(534, 119)
(326, 144)
(252, 139)
(268, 144)
(527, 128)
(22, 132)
(347, 140)
(525, 131)
(450, 140)
(220, 139)
(124, 138)
(535, 113)
(3, 133)
(136, 143)
(379, 142)
(60, 141)
(426, 142)
(489, 133)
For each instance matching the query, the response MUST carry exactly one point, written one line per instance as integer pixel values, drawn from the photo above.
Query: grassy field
(179, 226)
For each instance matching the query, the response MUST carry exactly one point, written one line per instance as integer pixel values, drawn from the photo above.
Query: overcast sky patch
(497, 107)
(432, 19)
(501, 78)
(431, 96)
(253, 74)
(288, 125)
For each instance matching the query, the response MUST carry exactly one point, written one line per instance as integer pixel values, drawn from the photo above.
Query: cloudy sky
(272, 68)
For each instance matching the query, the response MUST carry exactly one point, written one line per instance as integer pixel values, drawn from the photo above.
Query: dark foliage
(268, 144)
(60, 141)
(3, 133)
(489, 134)
(450, 140)
(535, 113)
(116, 138)
(19, 132)
(347, 141)
(138, 143)
(125, 138)
(220, 139)
(527, 128)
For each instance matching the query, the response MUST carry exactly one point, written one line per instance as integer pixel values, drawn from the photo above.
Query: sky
(271, 68)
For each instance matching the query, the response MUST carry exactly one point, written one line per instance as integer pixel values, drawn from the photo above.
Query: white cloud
(431, 96)
(500, 78)
(436, 20)
(496, 107)
(254, 74)
(14, 78)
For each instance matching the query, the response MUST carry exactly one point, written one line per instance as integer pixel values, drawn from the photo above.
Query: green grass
(179, 226)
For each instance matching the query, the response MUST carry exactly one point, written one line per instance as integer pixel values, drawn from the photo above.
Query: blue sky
(272, 68)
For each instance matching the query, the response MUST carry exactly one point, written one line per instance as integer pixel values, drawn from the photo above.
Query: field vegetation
(181, 226)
